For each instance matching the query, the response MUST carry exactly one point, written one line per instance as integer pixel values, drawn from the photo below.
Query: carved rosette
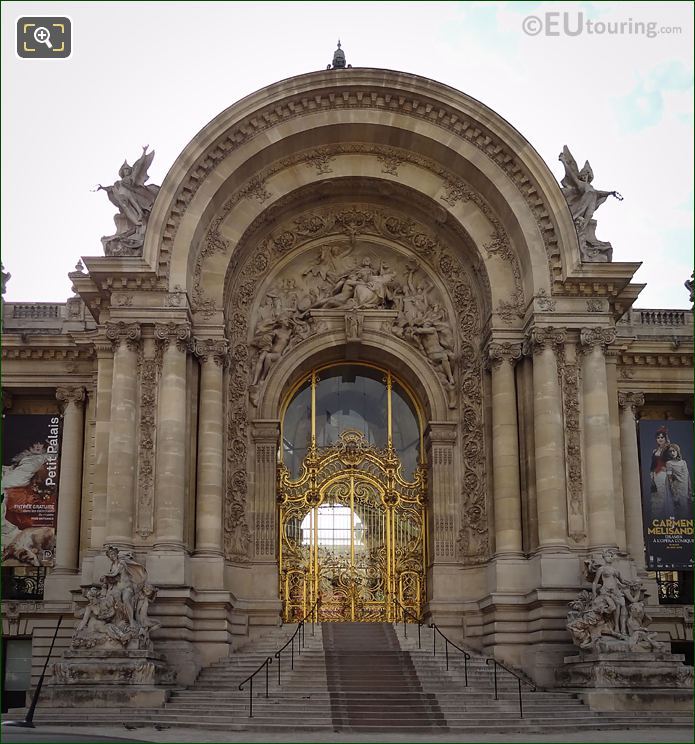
(124, 333)
(178, 333)
(630, 400)
(497, 353)
(144, 520)
(68, 395)
(211, 349)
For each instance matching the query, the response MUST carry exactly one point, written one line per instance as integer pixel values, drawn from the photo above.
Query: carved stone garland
(148, 373)
(473, 535)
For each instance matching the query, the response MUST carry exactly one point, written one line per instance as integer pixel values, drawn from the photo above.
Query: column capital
(67, 395)
(179, 333)
(499, 352)
(540, 338)
(211, 349)
(591, 337)
(630, 400)
(121, 332)
(265, 430)
(441, 432)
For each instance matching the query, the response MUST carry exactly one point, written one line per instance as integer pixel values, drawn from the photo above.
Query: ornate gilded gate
(352, 532)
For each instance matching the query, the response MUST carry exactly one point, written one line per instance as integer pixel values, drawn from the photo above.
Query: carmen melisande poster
(666, 457)
(30, 461)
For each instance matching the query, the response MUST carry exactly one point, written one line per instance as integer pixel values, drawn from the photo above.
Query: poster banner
(30, 463)
(666, 457)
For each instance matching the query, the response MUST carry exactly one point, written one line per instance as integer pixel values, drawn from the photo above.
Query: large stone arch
(469, 149)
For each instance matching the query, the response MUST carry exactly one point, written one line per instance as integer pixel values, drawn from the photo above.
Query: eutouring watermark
(577, 24)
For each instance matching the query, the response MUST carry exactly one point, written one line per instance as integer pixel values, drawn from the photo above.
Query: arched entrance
(352, 490)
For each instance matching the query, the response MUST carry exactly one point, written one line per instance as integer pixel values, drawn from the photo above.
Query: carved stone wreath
(358, 222)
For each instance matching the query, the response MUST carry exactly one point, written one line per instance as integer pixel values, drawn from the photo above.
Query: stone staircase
(363, 677)
(473, 708)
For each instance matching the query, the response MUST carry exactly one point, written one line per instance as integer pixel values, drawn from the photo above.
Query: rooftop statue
(134, 201)
(583, 200)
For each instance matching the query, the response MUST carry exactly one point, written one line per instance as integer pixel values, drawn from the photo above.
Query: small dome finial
(339, 62)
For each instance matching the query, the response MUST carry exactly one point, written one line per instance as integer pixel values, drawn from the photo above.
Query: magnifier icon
(43, 36)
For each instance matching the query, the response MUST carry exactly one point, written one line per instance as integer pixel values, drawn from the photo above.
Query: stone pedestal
(113, 678)
(654, 680)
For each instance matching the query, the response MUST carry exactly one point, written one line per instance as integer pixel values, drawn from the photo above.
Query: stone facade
(462, 273)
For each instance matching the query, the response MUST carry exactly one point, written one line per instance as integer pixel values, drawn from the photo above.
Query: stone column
(505, 447)
(170, 484)
(440, 439)
(549, 436)
(70, 484)
(210, 487)
(265, 438)
(120, 478)
(597, 436)
(614, 412)
(634, 528)
(104, 354)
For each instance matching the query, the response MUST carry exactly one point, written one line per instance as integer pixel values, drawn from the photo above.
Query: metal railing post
(521, 707)
(267, 671)
(419, 643)
(446, 653)
(434, 641)
(251, 699)
(292, 656)
(279, 665)
(494, 670)
(465, 669)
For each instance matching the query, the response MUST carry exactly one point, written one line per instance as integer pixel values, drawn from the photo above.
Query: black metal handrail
(300, 630)
(269, 659)
(519, 680)
(419, 622)
(447, 643)
(28, 721)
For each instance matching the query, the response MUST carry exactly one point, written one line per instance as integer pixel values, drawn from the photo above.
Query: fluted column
(102, 432)
(209, 496)
(549, 436)
(440, 441)
(505, 447)
(70, 484)
(170, 484)
(634, 528)
(120, 479)
(597, 436)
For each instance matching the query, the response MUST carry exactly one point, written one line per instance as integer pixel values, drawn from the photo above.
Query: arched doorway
(351, 489)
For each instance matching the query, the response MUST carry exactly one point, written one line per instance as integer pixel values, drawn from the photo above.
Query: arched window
(356, 397)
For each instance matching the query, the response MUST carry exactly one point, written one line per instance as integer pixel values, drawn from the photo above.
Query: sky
(156, 73)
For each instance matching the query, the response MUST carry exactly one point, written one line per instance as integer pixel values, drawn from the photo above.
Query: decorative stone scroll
(121, 332)
(74, 395)
(602, 337)
(178, 333)
(211, 349)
